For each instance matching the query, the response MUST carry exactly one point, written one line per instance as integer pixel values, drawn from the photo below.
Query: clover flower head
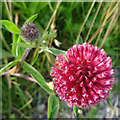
(29, 32)
(83, 77)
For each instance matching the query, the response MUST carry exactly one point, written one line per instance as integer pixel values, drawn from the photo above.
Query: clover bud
(29, 32)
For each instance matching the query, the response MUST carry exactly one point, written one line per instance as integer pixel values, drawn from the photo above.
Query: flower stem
(16, 68)
(21, 76)
(25, 55)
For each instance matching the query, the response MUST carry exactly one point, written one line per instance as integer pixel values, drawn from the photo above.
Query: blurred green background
(26, 99)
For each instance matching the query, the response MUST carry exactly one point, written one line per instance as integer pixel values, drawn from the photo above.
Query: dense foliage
(61, 26)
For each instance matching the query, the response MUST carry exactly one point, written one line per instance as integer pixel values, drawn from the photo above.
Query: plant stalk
(16, 68)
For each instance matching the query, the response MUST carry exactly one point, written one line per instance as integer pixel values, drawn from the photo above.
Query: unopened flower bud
(30, 32)
(52, 26)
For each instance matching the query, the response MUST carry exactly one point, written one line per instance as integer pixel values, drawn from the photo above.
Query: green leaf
(79, 40)
(11, 26)
(75, 108)
(54, 51)
(14, 47)
(8, 66)
(46, 36)
(34, 58)
(53, 106)
(18, 52)
(39, 78)
(12, 116)
(31, 70)
(25, 45)
(32, 18)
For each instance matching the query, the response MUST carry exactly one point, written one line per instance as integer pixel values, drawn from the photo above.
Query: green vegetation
(61, 26)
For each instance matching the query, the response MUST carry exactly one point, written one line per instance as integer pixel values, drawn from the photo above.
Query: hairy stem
(25, 55)
(16, 68)
(21, 76)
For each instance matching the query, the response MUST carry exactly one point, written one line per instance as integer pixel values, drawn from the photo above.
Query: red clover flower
(83, 77)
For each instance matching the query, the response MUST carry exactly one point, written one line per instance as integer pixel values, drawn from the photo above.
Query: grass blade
(75, 108)
(53, 106)
(18, 52)
(13, 46)
(8, 66)
(89, 11)
(93, 21)
(32, 18)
